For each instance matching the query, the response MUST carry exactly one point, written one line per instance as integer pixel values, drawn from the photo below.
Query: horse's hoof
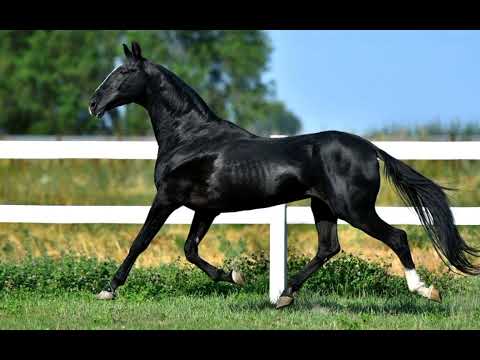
(283, 301)
(435, 295)
(238, 278)
(105, 295)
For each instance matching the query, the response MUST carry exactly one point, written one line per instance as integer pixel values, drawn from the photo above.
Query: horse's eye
(124, 71)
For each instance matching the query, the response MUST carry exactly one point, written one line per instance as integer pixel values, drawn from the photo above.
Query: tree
(277, 119)
(50, 75)
(48, 78)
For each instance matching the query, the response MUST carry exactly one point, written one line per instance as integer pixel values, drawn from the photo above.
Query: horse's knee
(190, 253)
(329, 252)
(191, 256)
(139, 247)
(335, 249)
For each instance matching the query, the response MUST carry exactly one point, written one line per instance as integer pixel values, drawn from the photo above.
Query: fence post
(278, 251)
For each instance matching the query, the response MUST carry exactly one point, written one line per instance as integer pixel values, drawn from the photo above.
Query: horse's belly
(252, 184)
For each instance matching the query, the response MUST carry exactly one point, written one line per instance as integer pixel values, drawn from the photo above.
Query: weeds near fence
(345, 275)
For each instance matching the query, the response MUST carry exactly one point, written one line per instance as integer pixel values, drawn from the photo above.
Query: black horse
(212, 166)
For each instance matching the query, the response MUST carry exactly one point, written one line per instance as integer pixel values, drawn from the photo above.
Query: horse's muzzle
(94, 110)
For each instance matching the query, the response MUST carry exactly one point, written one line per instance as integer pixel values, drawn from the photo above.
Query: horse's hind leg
(328, 246)
(200, 225)
(396, 239)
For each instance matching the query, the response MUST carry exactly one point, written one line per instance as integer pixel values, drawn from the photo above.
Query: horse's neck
(181, 116)
(170, 131)
(173, 131)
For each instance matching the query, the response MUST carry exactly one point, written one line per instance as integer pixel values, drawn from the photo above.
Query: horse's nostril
(92, 107)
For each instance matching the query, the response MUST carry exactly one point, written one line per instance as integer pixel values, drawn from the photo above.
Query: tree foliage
(455, 130)
(48, 77)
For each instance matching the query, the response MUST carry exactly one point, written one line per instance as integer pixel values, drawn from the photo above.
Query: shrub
(344, 275)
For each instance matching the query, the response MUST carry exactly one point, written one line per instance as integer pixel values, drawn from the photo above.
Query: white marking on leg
(413, 280)
(425, 292)
(415, 284)
(105, 295)
(238, 278)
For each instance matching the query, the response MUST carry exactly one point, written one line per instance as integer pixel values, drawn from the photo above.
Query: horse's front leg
(200, 225)
(158, 214)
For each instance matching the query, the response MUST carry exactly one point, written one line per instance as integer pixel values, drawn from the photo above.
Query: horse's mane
(192, 98)
(187, 92)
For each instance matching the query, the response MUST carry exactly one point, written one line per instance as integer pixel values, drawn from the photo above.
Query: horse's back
(248, 173)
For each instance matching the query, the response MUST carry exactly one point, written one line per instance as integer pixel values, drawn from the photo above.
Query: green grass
(344, 275)
(80, 310)
(347, 293)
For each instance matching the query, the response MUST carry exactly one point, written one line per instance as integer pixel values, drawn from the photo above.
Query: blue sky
(359, 80)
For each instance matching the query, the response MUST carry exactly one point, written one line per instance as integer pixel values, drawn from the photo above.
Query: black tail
(431, 204)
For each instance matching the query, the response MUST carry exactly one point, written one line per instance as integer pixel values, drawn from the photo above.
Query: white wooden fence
(277, 216)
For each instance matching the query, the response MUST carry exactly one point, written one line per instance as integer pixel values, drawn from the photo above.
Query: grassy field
(348, 293)
(130, 182)
(18, 241)
(240, 311)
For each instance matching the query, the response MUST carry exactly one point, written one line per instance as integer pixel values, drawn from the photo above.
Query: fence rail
(147, 150)
(96, 214)
(277, 217)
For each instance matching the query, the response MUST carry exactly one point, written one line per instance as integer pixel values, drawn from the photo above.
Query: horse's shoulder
(190, 165)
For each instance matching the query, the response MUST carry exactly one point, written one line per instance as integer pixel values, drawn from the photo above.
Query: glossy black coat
(212, 166)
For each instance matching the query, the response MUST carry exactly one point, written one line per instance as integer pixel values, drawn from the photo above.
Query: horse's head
(124, 85)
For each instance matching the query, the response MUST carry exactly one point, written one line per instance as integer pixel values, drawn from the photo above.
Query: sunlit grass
(113, 241)
(241, 311)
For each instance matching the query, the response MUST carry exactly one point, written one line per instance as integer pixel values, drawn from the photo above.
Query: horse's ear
(127, 52)
(137, 51)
